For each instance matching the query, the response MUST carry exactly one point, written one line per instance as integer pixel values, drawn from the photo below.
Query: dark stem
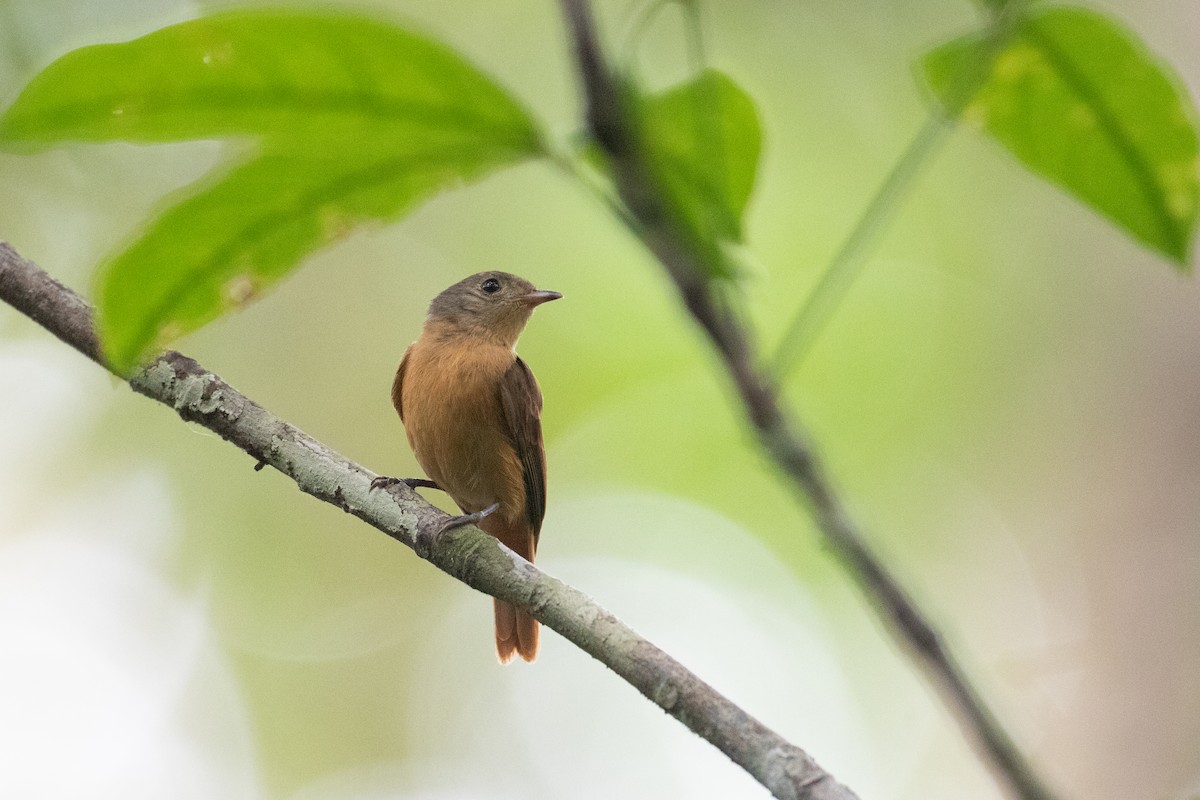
(781, 437)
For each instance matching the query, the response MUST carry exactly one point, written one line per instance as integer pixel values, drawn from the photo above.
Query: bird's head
(495, 305)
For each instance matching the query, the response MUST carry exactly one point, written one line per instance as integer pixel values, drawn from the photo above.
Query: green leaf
(702, 140)
(355, 120)
(297, 80)
(223, 246)
(1082, 102)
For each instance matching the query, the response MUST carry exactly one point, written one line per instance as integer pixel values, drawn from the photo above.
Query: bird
(471, 411)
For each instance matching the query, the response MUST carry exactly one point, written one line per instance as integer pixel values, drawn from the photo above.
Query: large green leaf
(1079, 99)
(354, 120)
(295, 79)
(702, 141)
(224, 245)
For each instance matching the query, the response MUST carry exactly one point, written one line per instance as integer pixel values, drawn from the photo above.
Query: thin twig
(781, 437)
(467, 553)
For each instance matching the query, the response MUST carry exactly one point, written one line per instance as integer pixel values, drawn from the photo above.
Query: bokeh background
(1009, 399)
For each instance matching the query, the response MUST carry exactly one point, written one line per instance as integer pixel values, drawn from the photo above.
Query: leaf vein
(1151, 188)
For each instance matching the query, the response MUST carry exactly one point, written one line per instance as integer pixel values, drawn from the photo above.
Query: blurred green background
(1009, 399)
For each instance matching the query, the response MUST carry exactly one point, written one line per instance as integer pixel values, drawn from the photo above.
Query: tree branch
(467, 554)
(781, 437)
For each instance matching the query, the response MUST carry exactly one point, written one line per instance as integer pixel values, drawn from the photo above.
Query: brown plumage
(472, 412)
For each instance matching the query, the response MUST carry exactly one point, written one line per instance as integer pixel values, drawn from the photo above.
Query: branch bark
(467, 554)
(780, 436)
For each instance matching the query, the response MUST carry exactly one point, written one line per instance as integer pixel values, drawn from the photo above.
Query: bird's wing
(521, 404)
(398, 384)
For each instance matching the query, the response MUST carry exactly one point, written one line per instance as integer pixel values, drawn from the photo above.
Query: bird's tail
(516, 629)
(516, 632)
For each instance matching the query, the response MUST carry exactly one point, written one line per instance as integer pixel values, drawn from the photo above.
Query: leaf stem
(573, 167)
(847, 263)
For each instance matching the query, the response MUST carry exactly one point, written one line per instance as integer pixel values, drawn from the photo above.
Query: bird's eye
(491, 286)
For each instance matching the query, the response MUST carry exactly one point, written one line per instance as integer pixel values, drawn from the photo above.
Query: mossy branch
(467, 554)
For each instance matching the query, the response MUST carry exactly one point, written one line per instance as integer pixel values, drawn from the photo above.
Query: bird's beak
(539, 296)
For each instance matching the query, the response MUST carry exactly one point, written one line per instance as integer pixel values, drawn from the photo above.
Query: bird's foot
(467, 519)
(384, 482)
(424, 539)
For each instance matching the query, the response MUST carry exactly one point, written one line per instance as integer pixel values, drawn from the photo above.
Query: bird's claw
(424, 538)
(385, 482)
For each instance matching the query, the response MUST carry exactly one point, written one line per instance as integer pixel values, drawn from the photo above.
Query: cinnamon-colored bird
(472, 412)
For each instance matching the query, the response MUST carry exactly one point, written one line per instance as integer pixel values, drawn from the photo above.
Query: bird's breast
(454, 422)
